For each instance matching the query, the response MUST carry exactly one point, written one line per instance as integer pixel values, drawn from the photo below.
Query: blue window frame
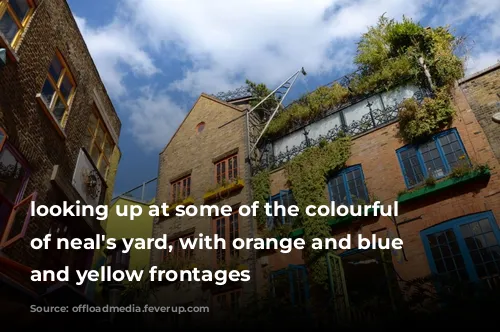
(435, 158)
(348, 187)
(464, 249)
(291, 284)
(284, 198)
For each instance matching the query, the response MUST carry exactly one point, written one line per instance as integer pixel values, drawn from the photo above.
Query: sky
(155, 57)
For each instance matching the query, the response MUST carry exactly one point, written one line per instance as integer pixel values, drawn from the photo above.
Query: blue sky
(156, 56)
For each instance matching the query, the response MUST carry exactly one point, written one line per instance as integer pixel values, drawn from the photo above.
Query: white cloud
(258, 39)
(154, 118)
(225, 41)
(482, 61)
(112, 46)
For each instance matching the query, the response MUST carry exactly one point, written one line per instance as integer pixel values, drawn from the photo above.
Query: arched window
(200, 127)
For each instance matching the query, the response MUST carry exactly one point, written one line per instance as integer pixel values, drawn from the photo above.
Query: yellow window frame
(99, 124)
(21, 25)
(65, 72)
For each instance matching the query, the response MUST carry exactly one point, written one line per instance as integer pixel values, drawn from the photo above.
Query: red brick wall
(376, 152)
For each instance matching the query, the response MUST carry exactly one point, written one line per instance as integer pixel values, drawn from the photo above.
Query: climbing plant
(307, 174)
(261, 187)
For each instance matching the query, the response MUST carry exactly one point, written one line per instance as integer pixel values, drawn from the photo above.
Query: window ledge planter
(447, 183)
(223, 190)
(187, 201)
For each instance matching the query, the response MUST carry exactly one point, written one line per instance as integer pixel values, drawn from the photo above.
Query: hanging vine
(307, 174)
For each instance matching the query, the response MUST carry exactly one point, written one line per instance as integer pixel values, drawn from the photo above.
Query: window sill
(47, 112)
(185, 202)
(11, 53)
(223, 190)
(447, 183)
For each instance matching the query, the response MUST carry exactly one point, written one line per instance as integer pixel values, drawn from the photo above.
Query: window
(347, 187)
(200, 127)
(117, 259)
(228, 229)
(436, 158)
(55, 258)
(14, 16)
(228, 301)
(464, 249)
(290, 286)
(226, 170)
(14, 206)
(181, 189)
(284, 198)
(58, 90)
(101, 144)
(177, 252)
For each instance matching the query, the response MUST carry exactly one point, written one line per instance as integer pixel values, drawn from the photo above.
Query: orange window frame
(99, 145)
(229, 229)
(226, 169)
(56, 84)
(178, 253)
(21, 24)
(180, 189)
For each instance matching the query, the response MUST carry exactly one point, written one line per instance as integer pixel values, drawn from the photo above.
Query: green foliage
(418, 121)
(307, 108)
(307, 174)
(259, 92)
(261, 186)
(388, 55)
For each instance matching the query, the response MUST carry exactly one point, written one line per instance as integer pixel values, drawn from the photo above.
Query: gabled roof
(207, 96)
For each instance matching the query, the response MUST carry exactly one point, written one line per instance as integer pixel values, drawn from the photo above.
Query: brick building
(436, 221)
(59, 142)
(483, 94)
(204, 163)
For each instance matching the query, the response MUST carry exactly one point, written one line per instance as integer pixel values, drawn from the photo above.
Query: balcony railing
(355, 119)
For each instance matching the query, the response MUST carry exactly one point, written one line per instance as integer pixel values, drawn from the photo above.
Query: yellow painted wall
(141, 227)
(119, 228)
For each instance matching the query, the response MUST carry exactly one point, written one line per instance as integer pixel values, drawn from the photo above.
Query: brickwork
(192, 152)
(376, 152)
(52, 27)
(483, 94)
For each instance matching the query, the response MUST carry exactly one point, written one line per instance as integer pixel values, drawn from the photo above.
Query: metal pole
(274, 91)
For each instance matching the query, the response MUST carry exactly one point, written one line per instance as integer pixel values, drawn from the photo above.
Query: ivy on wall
(261, 186)
(389, 54)
(307, 174)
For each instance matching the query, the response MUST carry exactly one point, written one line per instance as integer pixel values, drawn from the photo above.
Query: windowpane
(20, 8)
(471, 241)
(66, 87)
(55, 69)
(108, 148)
(436, 158)
(94, 153)
(48, 92)
(59, 110)
(102, 167)
(348, 188)
(99, 139)
(8, 27)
